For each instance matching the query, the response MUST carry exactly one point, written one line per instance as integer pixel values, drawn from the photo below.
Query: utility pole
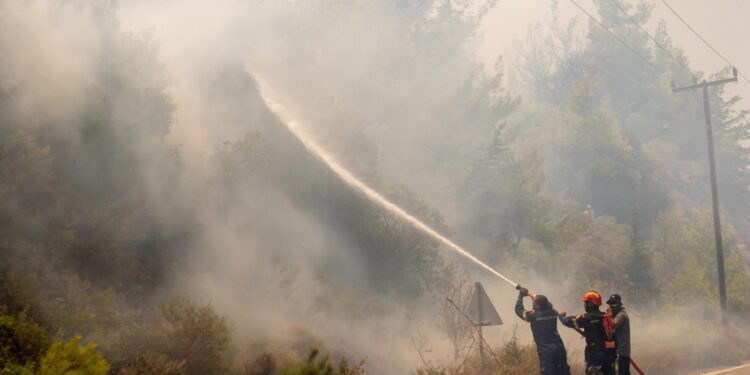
(714, 188)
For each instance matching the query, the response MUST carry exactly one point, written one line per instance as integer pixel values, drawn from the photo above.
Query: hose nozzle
(522, 289)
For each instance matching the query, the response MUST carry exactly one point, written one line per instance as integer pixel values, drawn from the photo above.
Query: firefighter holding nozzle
(597, 328)
(543, 319)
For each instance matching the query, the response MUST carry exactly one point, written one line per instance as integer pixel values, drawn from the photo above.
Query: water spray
(308, 141)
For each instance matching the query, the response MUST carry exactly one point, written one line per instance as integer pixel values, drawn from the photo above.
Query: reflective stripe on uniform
(548, 317)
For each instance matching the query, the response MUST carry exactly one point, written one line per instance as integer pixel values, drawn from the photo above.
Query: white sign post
(482, 313)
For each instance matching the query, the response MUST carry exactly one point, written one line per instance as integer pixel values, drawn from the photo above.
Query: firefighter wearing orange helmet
(596, 328)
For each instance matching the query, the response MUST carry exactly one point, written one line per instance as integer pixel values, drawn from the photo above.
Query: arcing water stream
(298, 131)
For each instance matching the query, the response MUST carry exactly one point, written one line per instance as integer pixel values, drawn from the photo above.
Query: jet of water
(299, 131)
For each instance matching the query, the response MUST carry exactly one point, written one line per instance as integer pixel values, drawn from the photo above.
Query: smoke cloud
(167, 142)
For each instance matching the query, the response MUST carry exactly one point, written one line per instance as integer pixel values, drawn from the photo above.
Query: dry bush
(458, 290)
(512, 358)
(152, 364)
(324, 366)
(196, 334)
(265, 364)
(314, 364)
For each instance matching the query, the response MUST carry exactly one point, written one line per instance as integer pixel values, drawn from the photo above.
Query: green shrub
(14, 369)
(72, 358)
(22, 343)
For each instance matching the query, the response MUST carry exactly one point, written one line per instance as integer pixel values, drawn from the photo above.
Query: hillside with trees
(157, 217)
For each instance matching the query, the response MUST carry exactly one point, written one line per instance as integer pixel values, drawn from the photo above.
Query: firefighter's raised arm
(520, 311)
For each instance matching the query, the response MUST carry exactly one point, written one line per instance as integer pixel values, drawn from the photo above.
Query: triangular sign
(480, 309)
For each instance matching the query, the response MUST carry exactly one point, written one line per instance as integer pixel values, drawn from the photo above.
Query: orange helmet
(593, 297)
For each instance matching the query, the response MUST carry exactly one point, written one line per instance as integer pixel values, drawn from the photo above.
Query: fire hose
(580, 331)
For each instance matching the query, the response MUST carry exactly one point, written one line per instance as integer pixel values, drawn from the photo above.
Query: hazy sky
(723, 23)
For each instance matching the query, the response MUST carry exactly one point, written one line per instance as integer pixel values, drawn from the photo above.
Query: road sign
(480, 309)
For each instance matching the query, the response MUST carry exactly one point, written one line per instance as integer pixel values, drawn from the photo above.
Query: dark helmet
(541, 302)
(614, 300)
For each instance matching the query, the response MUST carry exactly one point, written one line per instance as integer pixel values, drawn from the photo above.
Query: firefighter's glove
(523, 292)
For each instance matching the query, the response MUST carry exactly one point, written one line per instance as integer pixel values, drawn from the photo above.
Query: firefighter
(621, 323)
(543, 319)
(599, 353)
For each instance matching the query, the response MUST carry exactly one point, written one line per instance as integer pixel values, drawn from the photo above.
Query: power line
(617, 4)
(704, 41)
(632, 49)
(615, 35)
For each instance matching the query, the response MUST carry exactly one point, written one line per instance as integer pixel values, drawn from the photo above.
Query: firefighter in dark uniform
(622, 333)
(600, 352)
(543, 318)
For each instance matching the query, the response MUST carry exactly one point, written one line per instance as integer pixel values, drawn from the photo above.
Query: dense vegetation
(147, 231)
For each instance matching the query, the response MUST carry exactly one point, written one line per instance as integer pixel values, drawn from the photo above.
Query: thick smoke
(162, 124)
(364, 74)
(165, 92)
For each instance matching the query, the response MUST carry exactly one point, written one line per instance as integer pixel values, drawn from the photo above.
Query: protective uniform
(549, 345)
(622, 334)
(599, 359)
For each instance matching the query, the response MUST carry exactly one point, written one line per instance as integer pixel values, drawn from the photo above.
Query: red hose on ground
(632, 363)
